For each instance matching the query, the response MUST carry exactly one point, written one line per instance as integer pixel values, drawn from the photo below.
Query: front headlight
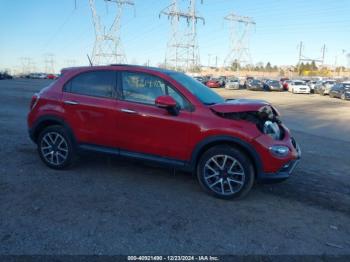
(280, 151)
(272, 129)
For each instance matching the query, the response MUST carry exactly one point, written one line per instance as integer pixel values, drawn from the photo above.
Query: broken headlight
(272, 129)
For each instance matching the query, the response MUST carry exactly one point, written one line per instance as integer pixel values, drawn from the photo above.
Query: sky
(33, 28)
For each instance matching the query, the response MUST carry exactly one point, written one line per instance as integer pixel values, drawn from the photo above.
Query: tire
(55, 147)
(233, 180)
(342, 96)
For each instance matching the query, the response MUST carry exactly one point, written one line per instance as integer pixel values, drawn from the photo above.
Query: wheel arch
(245, 147)
(46, 121)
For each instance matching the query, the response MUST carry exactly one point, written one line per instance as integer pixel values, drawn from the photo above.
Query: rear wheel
(55, 147)
(225, 172)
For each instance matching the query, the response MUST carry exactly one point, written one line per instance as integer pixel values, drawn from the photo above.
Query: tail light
(34, 101)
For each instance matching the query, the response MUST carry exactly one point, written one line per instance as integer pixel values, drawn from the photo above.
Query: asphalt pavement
(106, 205)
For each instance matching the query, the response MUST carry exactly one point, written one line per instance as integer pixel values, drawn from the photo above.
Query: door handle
(68, 102)
(128, 111)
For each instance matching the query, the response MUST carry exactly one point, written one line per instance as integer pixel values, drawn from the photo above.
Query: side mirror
(168, 103)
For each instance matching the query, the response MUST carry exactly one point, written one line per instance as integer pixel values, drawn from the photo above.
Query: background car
(5, 75)
(298, 87)
(273, 85)
(255, 85)
(232, 83)
(201, 79)
(312, 84)
(222, 80)
(51, 76)
(340, 90)
(213, 83)
(323, 87)
(286, 84)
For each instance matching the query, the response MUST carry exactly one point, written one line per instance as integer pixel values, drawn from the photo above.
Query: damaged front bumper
(286, 171)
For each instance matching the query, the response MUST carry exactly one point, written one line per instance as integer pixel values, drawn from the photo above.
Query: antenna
(90, 62)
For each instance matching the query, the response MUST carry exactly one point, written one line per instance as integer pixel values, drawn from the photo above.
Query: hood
(239, 105)
(256, 111)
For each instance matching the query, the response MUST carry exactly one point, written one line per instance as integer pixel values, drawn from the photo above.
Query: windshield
(203, 93)
(330, 82)
(299, 83)
(274, 83)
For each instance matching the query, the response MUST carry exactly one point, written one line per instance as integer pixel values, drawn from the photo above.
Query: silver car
(323, 87)
(232, 83)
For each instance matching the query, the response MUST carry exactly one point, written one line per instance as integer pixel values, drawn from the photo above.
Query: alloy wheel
(224, 174)
(54, 148)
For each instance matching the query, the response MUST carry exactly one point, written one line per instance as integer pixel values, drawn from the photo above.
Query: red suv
(166, 117)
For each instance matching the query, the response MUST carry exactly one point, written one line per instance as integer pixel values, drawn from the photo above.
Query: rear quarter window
(96, 84)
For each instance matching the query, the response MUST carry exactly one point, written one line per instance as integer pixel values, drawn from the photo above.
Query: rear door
(144, 127)
(90, 105)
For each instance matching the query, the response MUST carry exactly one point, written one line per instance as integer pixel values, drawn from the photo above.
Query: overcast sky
(32, 28)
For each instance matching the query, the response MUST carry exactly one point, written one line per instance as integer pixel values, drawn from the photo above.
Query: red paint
(149, 128)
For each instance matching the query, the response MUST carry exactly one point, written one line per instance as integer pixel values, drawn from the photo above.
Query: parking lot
(106, 205)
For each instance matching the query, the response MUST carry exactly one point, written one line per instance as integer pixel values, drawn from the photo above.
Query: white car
(232, 83)
(298, 87)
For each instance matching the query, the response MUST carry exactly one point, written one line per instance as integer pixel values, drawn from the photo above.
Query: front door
(145, 128)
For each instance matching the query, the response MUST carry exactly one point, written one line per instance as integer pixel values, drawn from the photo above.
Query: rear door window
(96, 83)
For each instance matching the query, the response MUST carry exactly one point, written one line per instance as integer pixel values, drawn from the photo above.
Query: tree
(268, 67)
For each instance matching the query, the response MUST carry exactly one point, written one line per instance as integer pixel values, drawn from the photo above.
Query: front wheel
(225, 172)
(55, 147)
(342, 96)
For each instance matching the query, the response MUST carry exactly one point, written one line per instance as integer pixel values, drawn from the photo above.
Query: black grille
(294, 143)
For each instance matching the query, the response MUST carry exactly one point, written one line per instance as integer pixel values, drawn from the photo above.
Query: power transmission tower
(108, 48)
(182, 48)
(70, 62)
(303, 58)
(27, 64)
(49, 63)
(241, 27)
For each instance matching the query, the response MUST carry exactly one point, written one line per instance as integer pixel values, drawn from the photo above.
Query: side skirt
(162, 161)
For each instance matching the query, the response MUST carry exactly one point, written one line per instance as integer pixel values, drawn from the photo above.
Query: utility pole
(108, 47)
(182, 48)
(241, 27)
(209, 56)
(323, 50)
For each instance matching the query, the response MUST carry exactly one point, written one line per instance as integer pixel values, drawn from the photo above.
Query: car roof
(115, 66)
